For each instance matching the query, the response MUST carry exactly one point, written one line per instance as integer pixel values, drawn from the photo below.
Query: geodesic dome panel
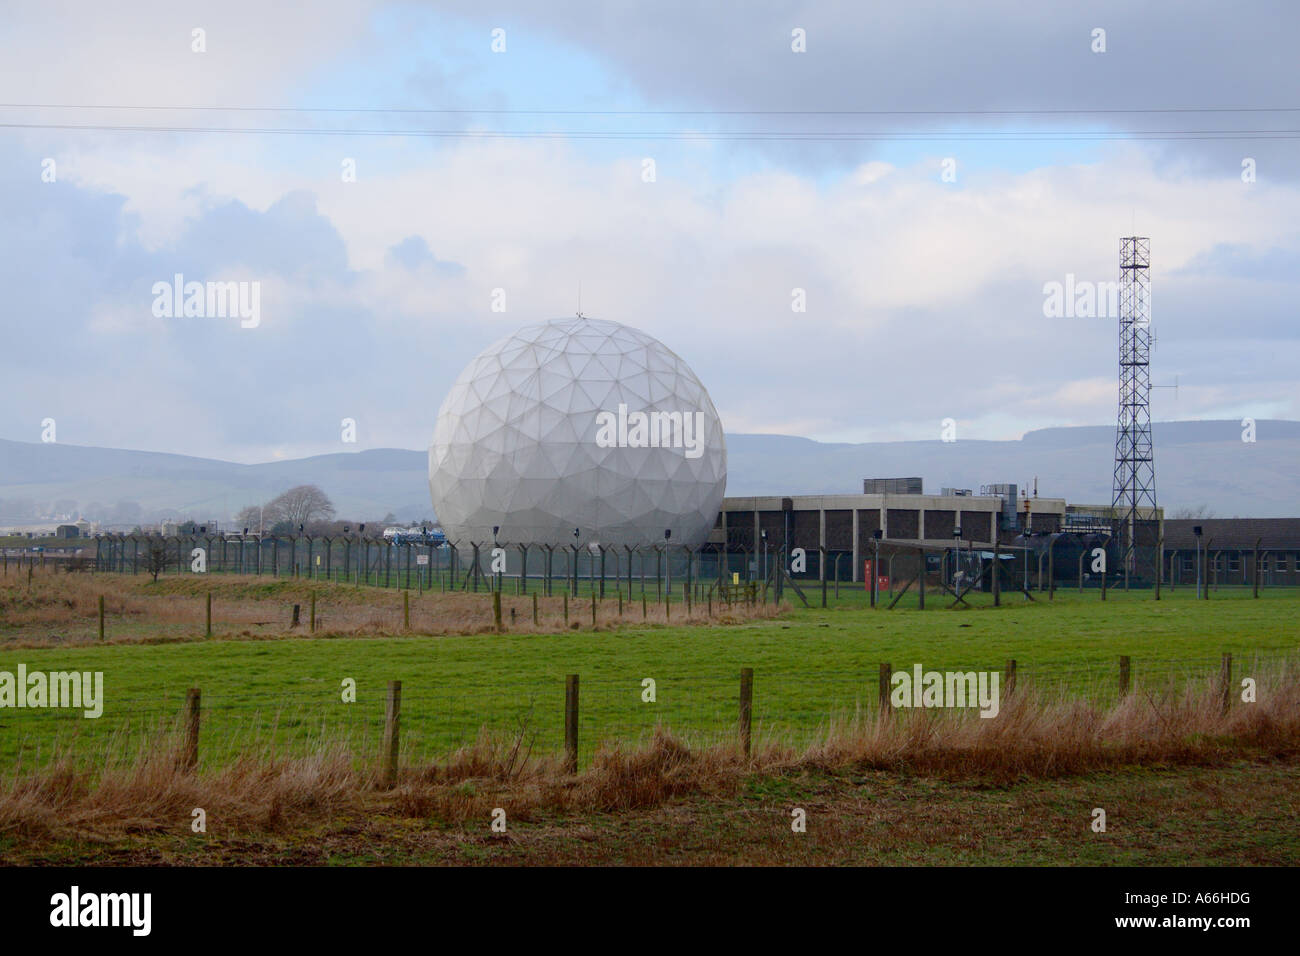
(578, 424)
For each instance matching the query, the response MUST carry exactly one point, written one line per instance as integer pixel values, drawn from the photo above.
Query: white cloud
(923, 300)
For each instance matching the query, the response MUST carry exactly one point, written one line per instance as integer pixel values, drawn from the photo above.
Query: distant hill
(1197, 463)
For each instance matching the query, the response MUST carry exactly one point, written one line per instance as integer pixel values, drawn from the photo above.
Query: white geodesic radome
(540, 436)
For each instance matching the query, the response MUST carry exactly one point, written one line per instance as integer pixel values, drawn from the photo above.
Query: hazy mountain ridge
(1197, 463)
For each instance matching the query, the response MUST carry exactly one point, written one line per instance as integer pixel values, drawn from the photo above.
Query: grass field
(287, 768)
(261, 683)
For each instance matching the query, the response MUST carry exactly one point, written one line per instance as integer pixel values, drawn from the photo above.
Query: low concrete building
(846, 525)
(1229, 549)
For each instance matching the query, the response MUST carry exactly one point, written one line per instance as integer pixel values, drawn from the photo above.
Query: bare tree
(155, 558)
(249, 517)
(1200, 511)
(300, 505)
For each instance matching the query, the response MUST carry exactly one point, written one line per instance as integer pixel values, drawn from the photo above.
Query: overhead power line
(1089, 111)
(688, 135)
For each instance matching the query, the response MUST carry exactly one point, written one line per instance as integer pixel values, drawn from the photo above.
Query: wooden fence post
(1225, 681)
(534, 609)
(101, 617)
(406, 610)
(297, 608)
(746, 708)
(208, 632)
(392, 731)
(1009, 678)
(313, 612)
(886, 682)
(593, 607)
(571, 723)
(1124, 676)
(190, 755)
(496, 608)
(566, 608)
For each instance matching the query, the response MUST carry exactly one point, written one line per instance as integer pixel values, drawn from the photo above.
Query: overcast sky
(924, 293)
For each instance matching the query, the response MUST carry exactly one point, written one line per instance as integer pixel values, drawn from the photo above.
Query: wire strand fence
(558, 718)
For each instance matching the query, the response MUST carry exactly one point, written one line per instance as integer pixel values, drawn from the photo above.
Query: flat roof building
(847, 524)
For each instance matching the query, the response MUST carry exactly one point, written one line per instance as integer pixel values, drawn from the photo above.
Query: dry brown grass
(60, 609)
(1033, 737)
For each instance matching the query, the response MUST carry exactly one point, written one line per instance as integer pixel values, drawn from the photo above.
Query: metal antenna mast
(1135, 475)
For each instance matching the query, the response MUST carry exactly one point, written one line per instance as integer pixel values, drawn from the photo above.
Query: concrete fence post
(1255, 576)
(920, 579)
(997, 564)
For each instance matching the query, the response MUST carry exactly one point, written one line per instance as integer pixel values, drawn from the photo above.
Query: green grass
(809, 665)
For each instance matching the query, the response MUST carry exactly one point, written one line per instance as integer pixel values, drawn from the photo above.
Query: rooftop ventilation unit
(1007, 492)
(891, 486)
